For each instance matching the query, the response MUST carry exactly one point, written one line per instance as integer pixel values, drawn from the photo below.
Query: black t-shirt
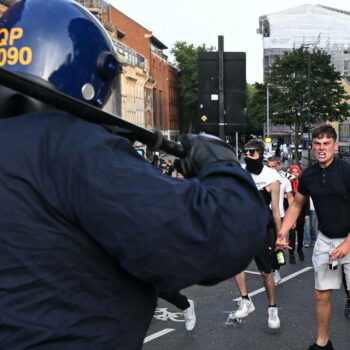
(330, 190)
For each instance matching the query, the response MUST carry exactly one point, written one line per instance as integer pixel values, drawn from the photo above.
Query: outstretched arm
(275, 197)
(168, 232)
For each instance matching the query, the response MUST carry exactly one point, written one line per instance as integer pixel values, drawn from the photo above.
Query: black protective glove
(201, 150)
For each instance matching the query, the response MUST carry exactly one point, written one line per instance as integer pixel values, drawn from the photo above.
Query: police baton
(40, 91)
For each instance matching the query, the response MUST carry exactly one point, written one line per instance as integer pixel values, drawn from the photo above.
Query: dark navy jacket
(90, 233)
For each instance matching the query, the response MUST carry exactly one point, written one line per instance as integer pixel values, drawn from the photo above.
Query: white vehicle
(268, 154)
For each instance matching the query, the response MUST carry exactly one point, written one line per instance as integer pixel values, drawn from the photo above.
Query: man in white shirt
(267, 182)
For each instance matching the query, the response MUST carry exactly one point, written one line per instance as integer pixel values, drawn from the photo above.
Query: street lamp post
(267, 110)
(309, 46)
(308, 107)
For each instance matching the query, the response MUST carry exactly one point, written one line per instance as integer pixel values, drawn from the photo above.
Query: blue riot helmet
(61, 42)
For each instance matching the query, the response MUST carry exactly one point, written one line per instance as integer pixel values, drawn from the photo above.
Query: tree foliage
(255, 112)
(186, 61)
(305, 87)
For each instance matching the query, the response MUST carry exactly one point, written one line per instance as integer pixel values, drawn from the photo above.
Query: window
(140, 61)
(344, 132)
(154, 108)
(161, 109)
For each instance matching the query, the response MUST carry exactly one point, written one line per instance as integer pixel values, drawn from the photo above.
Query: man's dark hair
(273, 159)
(258, 145)
(324, 130)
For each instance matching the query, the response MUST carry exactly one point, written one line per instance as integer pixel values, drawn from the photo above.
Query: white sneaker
(245, 307)
(277, 277)
(273, 322)
(190, 316)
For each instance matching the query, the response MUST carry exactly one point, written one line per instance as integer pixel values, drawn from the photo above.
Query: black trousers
(176, 298)
(264, 259)
(344, 284)
(299, 232)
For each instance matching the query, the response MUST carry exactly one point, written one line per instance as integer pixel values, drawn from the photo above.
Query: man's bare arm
(290, 198)
(275, 197)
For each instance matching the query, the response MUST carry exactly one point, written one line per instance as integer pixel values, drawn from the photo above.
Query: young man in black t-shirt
(327, 183)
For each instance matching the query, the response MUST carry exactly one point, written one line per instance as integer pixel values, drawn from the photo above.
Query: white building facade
(310, 26)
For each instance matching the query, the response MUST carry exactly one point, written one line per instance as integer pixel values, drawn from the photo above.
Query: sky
(202, 21)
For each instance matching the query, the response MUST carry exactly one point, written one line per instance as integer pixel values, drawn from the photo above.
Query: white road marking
(158, 334)
(162, 314)
(260, 290)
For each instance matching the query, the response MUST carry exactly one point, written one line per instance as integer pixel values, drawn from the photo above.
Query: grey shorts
(324, 277)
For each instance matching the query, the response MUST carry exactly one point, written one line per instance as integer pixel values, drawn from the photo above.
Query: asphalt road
(296, 310)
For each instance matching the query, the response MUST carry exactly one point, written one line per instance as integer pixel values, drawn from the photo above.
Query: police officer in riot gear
(90, 233)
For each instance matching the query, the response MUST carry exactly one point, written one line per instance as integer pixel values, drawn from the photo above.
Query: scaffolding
(94, 6)
(92, 3)
(302, 26)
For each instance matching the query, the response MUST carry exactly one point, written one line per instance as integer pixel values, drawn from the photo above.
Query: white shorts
(326, 278)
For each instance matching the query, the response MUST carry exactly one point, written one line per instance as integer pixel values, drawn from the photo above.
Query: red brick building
(4, 4)
(165, 91)
(161, 107)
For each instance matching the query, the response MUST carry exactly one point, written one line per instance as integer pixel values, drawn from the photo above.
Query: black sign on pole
(221, 87)
(222, 101)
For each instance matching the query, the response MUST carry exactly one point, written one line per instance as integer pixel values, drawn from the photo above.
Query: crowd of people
(278, 188)
(309, 222)
(294, 199)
